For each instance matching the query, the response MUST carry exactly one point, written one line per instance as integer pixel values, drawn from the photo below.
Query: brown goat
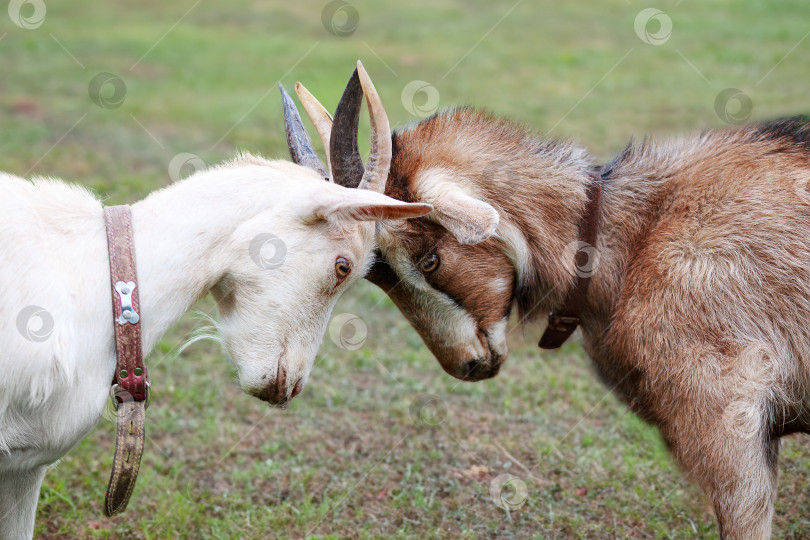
(700, 283)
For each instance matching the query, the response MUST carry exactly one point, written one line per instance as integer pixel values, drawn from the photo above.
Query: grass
(382, 443)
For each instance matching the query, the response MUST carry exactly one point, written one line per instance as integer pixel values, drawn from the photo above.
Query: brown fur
(697, 312)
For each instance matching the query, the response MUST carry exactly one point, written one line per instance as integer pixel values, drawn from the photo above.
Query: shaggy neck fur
(192, 241)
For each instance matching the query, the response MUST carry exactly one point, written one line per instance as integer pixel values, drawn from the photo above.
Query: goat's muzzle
(480, 369)
(278, 393)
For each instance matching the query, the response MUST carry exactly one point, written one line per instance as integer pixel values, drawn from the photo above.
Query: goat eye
(430, 263)
(342, 268)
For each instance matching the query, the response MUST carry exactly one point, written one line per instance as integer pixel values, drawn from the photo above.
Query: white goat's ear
(365, 205)
(470, 220)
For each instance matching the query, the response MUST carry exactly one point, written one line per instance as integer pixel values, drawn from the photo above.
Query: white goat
(202, 234)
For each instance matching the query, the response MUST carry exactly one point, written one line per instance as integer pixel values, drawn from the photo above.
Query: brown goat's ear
(469, 219)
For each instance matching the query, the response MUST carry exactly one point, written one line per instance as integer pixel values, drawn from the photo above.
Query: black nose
(471, 367)
(478, 370)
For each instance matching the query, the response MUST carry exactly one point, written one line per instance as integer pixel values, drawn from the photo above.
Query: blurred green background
(382, 443)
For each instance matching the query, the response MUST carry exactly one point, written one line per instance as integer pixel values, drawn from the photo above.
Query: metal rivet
(123, 374)
(138, 371)
(124, 290)
(127, 314)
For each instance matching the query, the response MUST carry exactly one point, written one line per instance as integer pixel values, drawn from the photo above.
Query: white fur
(191, 237)
(496, 335)
(516, 248)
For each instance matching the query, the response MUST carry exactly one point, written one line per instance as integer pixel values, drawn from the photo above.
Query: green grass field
(382, 443)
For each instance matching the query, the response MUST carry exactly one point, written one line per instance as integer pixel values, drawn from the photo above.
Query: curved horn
(298, 140)
(318, 115)
(346, 163)
(379, 160)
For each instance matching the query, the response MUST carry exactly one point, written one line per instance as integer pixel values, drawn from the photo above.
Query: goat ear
(469, 219)
(365, 205)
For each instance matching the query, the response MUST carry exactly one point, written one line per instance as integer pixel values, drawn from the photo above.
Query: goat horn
(346, 163)
(298, 140)
(379, 160)
(318, 115)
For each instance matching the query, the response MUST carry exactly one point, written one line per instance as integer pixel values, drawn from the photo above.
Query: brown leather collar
(563, 323)
(130, 382)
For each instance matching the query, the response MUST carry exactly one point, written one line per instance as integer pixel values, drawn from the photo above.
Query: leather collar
(563, 323)
(130, 382)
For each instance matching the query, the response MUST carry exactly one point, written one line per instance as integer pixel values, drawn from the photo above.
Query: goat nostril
(297, 389)
(471, 367)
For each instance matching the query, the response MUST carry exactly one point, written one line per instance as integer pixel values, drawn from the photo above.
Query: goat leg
(19, 493)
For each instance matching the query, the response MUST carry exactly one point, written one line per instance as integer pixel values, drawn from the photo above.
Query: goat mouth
(493, 357)
(478, 371)
(486, 367)
(276, 393)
